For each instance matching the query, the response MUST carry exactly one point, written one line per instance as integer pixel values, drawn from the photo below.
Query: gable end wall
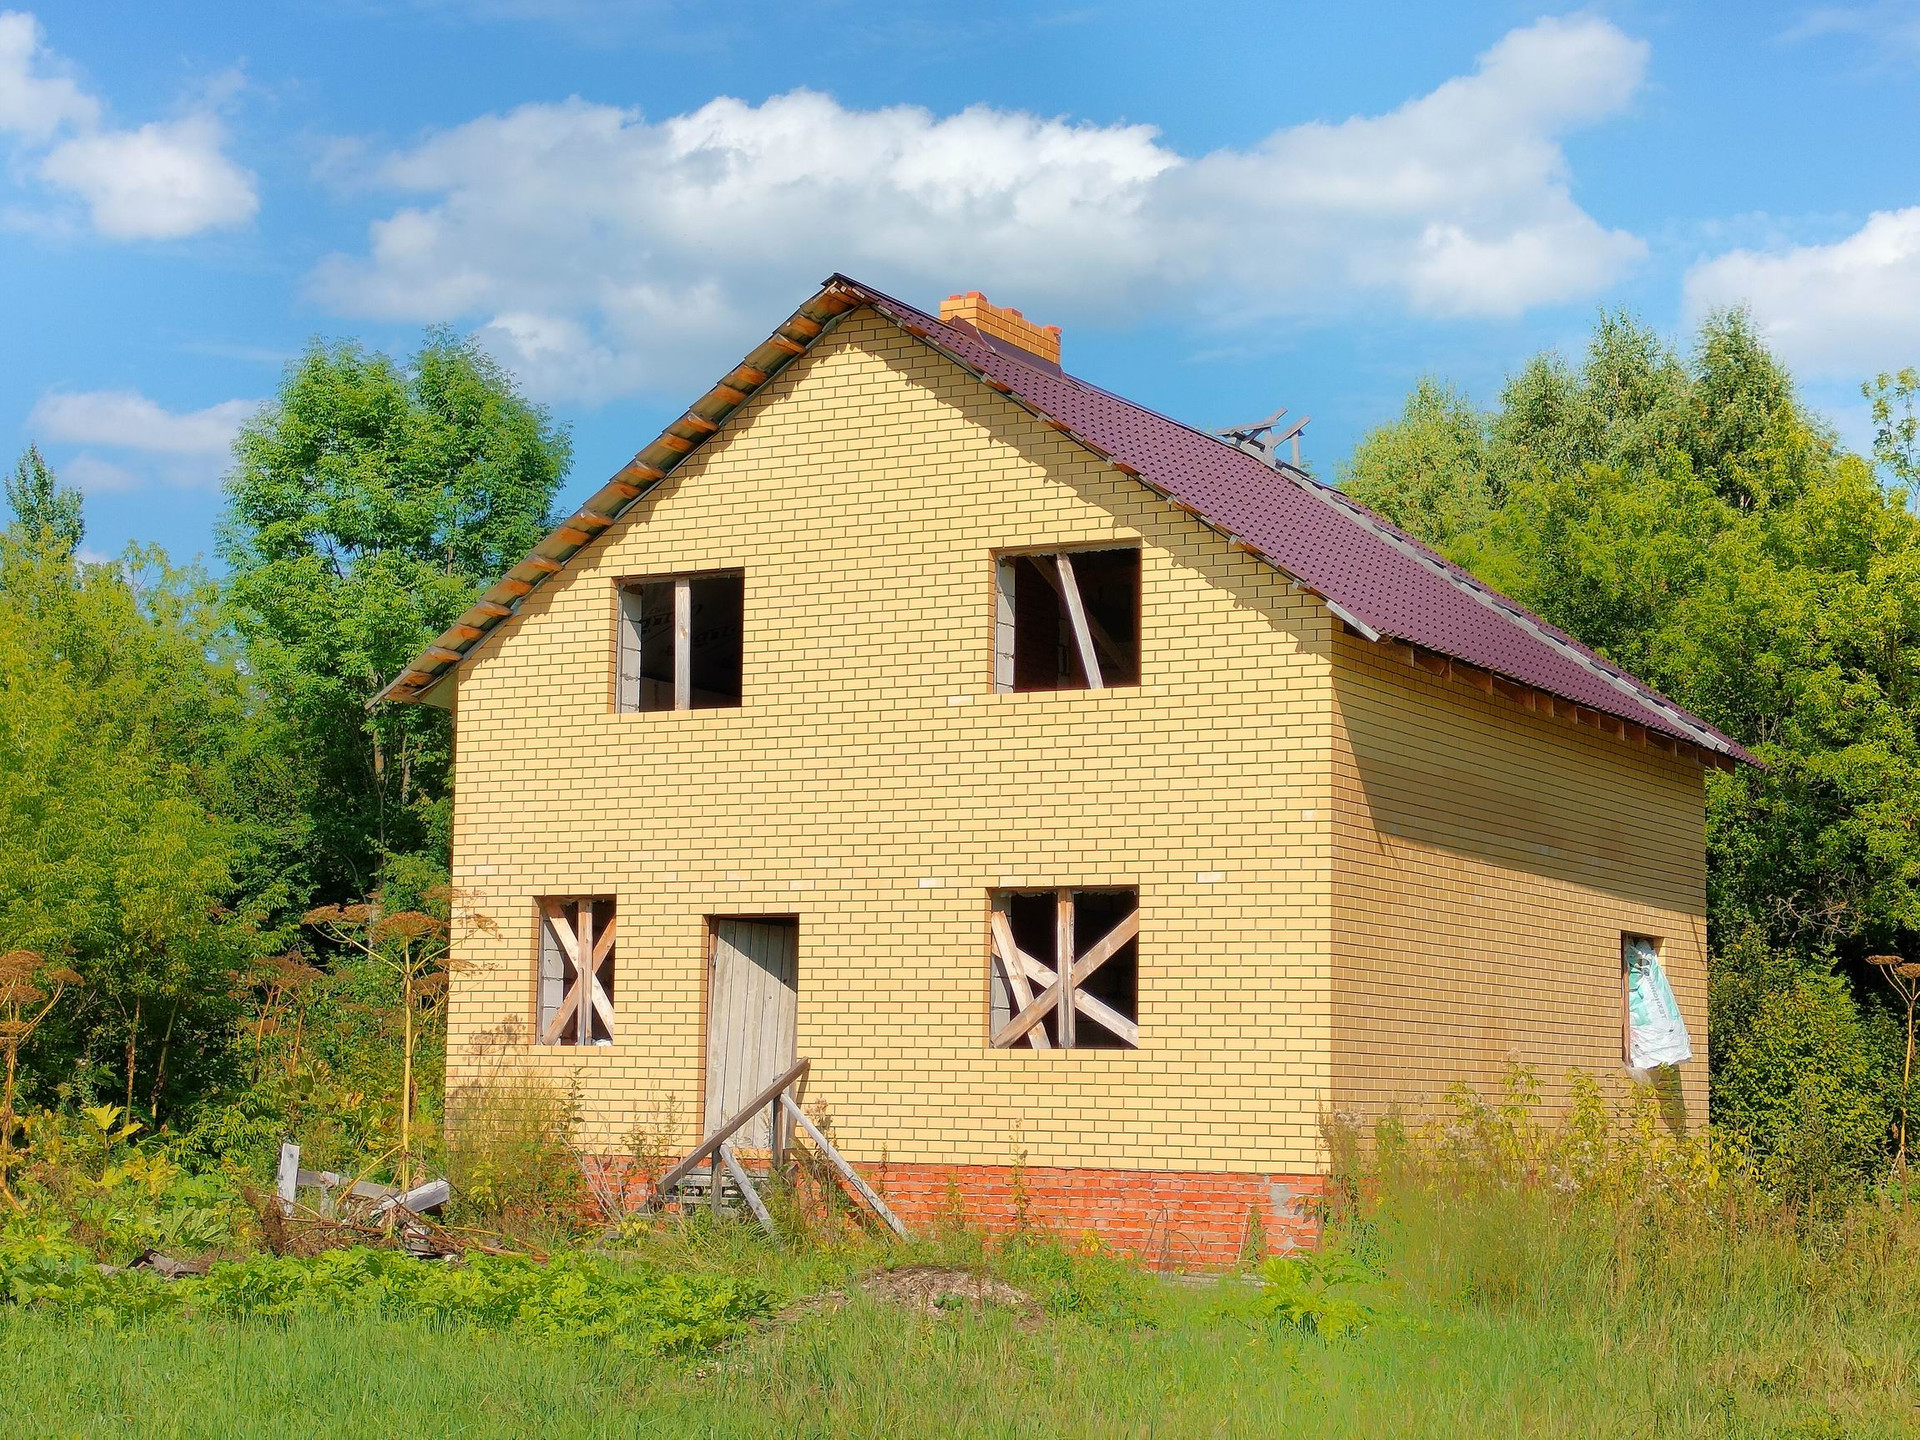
(874, 786)
(1486, 861)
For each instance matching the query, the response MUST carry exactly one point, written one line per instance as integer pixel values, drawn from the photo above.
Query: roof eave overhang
(424, 679)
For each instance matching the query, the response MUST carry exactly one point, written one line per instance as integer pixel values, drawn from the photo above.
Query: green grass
(1597, 1277)
(1111, 1353)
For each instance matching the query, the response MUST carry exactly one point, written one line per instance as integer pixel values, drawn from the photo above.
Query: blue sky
(1228, 208)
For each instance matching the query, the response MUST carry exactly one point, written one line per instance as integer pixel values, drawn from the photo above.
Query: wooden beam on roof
(699, 422)
(573, 534)
(748, 376)
(442, 653)
(545, 564)
(806, 329)
(676, 442)
(781, 342)
(465, 632)
(727, 393)
(493, 608)
(1473, 675)
(513, 587)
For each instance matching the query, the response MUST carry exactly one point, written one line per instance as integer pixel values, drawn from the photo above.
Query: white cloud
(187, 448)
(162, 181)
(96, 476)
(600, 252)
(1845, 309)
(36, 96)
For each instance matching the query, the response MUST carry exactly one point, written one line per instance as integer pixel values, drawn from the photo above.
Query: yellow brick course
(875, 786)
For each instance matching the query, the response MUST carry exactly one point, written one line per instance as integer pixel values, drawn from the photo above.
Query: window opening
(1091, 934)
(680, 642)
(576, 995)
(1069, 620)
(1655, 1034)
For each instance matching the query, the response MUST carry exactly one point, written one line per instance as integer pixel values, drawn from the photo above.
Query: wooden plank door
(752, 1008)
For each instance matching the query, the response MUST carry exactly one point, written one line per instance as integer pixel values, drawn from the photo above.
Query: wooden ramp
(779, 1103)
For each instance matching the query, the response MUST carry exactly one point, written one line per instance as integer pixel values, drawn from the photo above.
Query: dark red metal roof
(1376, 577)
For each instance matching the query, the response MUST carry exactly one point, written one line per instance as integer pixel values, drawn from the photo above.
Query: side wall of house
(875, 786)
(1487, 860)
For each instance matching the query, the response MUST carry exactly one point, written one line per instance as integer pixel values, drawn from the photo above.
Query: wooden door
(752, 1007)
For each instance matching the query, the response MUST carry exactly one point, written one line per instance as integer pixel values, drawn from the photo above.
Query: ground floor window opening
(1091, 935)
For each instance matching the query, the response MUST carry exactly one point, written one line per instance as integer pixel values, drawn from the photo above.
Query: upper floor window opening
(1068, 620)
(680, 642)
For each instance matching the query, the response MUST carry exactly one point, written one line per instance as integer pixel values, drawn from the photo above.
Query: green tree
(1426, 471)
(366, 509)
(42, 505)
(123, 812)
(1688, 517)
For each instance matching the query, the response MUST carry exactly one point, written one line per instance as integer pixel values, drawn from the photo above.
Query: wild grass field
(1487, 1276)
(1495, 1321)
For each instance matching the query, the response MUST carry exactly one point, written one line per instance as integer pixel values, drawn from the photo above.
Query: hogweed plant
(418, 948)
(29, 989)
(1904, 976)
(280, 983)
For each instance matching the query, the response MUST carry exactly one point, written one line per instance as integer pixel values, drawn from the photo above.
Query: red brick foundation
(1174, 1219)
(1171, 1219)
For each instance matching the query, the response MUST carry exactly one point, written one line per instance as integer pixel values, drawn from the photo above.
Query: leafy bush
(1325, 1294)
(119, 1199)
(1797, 1076)
(574, 1297)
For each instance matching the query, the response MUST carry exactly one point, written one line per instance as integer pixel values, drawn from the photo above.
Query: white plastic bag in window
(1656, 1035)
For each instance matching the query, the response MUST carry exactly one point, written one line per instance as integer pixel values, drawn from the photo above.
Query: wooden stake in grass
(1904, 976)
(23, 1005)
(417, 947)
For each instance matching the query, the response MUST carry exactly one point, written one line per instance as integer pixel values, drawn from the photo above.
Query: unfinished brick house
(905, 671)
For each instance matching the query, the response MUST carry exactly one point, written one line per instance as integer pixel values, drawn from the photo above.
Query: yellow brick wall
(874, 785)
(1486, 861)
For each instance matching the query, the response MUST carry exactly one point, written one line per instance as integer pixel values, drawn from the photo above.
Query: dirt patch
(932, 1289)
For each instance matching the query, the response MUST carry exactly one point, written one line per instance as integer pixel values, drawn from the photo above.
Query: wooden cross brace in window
(1088, 633)
(1020, 968)
(586, 978)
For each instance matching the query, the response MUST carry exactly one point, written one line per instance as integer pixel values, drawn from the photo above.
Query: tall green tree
(1687, 516)
(125, 784)
(367, 507)
(41, 505)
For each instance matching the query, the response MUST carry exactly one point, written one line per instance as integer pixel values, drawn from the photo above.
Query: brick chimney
(1006, 325)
